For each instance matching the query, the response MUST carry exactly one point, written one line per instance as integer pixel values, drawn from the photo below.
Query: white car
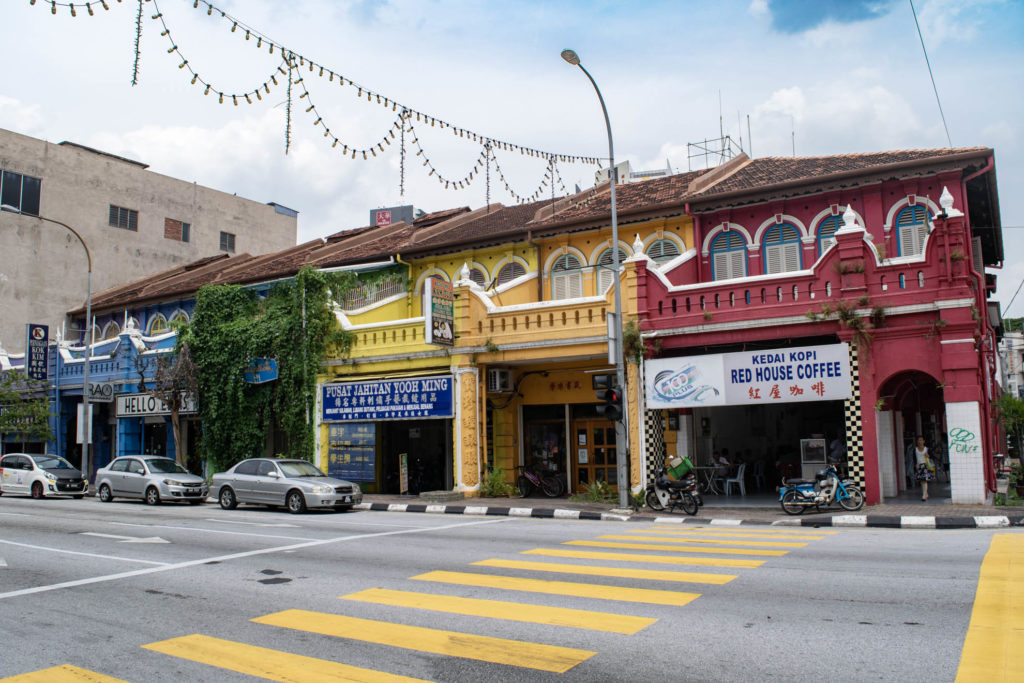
(39, 476)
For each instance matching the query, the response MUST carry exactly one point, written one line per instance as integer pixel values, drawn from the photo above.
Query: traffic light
(612, 408)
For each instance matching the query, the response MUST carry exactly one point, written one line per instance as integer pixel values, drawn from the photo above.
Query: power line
(930, 74)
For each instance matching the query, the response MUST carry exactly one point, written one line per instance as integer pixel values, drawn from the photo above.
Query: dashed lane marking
(511, 611)
(64, 673)
(564, 588)
(450, 643)
(653, 559)
(710, 541)
(617, 572)
(995, 635)
(678, 548)
(266, 663)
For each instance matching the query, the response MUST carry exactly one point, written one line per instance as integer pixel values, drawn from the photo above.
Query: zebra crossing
(659, 555)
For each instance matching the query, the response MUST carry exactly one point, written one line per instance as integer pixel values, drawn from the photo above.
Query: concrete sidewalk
(898, 515)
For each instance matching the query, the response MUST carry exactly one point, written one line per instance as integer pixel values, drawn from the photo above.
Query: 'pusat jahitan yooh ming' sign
(787, 375)
(439, 312)
(388, 399)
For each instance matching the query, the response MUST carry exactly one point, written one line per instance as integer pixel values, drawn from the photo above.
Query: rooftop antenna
(750, 140)
(792, 128)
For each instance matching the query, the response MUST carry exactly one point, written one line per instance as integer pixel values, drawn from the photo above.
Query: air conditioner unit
(499, 381)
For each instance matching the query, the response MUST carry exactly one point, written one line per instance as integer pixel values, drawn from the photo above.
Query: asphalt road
(140, 593)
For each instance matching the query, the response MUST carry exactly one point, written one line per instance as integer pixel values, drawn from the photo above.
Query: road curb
(838, 521)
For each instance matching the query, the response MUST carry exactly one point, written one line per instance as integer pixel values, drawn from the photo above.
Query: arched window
(566, 277)
(605, 274)
(478, 276)
(728, 256)
(435, 276)
(663, 250)
(111, 330)
(179, 318)
(157, 325)
(510, 271)
(911, 229)
(781, 249)
(826, 233)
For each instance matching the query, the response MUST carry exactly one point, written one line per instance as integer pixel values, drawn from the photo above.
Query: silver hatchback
(294, 484)
(153, 478)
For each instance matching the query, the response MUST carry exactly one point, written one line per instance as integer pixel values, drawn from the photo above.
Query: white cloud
(20, 117)
(758, 8)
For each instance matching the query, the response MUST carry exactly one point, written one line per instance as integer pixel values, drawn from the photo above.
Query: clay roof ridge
(717, 174)
(580, 198)
(454, 222)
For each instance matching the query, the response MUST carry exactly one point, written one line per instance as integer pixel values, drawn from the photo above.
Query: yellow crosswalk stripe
(512, 611)
(578, 590)
(451, 643)
(711, 541)
(678, 548)
(995, 635)
(785, 531)
(618, 572)
(65, 673)
(263, 662)
(729, 534)
(653, 559)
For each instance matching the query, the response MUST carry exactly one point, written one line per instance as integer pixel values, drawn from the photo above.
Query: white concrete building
(134, 222)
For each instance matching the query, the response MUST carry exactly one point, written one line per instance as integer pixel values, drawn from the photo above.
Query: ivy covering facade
(231, 326)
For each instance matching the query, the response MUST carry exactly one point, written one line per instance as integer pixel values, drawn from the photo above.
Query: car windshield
(298, 468)
(52, 462)
(165, 465)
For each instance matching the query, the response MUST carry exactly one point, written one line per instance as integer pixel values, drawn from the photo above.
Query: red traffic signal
(612, 408)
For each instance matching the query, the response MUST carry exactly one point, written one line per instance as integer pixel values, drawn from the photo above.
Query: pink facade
(919, 321)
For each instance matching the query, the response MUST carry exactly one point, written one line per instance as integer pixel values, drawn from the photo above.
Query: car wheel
(104, 494)
(296, 502)
(227, 499)
(37, 490)
(152, 496)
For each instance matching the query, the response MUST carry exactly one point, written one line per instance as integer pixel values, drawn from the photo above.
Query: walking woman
(925, 471)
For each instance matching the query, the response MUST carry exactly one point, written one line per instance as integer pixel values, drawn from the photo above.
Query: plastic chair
(738, 480)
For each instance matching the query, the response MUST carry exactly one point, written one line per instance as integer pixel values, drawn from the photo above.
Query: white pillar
(966, 455)
(887, 475)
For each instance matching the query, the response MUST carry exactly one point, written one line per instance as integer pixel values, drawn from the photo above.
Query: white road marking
(14, 514)
(234, 521)
(212, 531)
(3, 563)
(126, 539)
(75, 552)
(233, 556)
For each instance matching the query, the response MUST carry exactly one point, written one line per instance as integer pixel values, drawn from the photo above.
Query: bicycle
(528, 480)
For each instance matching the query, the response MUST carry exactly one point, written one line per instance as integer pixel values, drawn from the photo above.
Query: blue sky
(823, 76)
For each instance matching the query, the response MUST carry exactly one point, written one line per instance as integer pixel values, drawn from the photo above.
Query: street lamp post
(621, 441)
(87, 414)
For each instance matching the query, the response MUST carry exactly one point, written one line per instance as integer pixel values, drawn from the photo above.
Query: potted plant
(1017, 478)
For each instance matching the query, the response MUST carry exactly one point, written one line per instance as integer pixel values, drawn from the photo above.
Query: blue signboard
(261, 370)
(36, 351)
(388, 399)
(351, 451)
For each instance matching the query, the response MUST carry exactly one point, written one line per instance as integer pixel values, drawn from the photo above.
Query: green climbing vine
(293, 324)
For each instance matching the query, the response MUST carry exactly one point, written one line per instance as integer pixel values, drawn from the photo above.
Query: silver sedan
(153, 478)
(294, 484)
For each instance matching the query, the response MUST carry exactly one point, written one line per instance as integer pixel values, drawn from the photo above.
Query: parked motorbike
(664, 493)
(797, 495)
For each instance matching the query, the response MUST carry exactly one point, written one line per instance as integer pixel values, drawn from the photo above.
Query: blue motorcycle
(796, 495)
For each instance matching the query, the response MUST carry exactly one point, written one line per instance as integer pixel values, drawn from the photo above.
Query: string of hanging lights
(291, 68)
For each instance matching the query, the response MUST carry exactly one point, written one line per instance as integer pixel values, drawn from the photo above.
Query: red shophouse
(829, 302)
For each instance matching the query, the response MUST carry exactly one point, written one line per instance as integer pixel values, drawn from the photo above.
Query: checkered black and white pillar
(854, 424)
(654, 442)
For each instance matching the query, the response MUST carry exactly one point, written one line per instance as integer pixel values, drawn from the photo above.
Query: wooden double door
(595, 457)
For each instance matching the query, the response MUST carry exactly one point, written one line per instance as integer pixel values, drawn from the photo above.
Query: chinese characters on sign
(36, 351)
(388, 399)
(351, 451)
(810, 373)
(261, 370)
(439, 312)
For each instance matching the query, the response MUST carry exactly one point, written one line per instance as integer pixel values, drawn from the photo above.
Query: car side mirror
(274, 475)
